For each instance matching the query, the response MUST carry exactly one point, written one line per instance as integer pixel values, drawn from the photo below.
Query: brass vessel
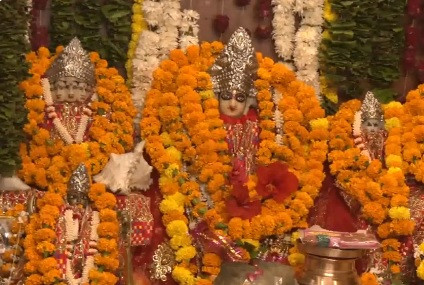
(329, 266)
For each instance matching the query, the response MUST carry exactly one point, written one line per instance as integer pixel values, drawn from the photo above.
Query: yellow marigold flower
(253, 242)
(183, 275)
(401, 213)
(172, 170)
(174, 153)
(393, 104)
(179, 198)
(392, 123)
(321, 123)
(296, 259)
(168, 205)
(294, 237)
(207, 94)
(166, 139)
(393, 160)
(176, 228)
(185, 253)
(178, 241)
(420, 270)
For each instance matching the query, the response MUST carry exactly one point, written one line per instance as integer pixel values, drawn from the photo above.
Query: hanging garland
(380, 190)
(163, 19)
(104, 27)
(186, 140)
(48, 164)
(300, 46)
(138, 26)
(362, 41)
(13, 35)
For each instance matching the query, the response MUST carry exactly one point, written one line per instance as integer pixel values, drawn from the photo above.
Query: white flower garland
(283, 24)
(60, 128)
(72, 232)
(189, 29)
(278, 117)
(301, 48)
(172, 29)
(164, 17)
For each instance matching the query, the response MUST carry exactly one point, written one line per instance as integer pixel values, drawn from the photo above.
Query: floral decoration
(48, 164)
(14, 38)
(14, 253)
(299, 46)
(138, 26)
(185, 138)
(378, 186)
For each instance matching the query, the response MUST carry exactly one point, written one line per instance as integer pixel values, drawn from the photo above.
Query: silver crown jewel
(371, 108)
(74, 61)
(80, 180)
(235, 68)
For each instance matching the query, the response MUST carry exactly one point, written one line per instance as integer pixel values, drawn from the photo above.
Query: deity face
(372, 126)
(232, 104)
(70, 89)
(77, 199)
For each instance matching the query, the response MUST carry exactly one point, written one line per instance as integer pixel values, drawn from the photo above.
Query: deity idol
(69, 92)
(72, 81)
(77, 230)
(334, 209)
(233, 75)
(368, 128)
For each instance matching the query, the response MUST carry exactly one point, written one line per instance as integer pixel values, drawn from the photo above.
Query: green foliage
(365, 46)
(102, 26)
(13, 69)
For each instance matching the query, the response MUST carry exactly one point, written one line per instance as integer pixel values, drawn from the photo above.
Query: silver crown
(79, 181)
(74, 61)
(235, 68)
(371, 108)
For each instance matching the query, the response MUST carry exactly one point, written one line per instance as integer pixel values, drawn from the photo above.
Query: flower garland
(345, 64)
(186, 140)
(189, 28)
(14, 252)
(381, 191)
(301, 48)
(412, 141)
(48, 164)
(14, 38)
(138, 26)
(163, 19)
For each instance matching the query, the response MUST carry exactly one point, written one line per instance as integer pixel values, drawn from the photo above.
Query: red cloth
(143, 255)
(330, 210)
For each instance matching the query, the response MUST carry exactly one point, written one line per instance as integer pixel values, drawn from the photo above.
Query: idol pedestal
(329, 266)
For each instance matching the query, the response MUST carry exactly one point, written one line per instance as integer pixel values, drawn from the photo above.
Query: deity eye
(241, 97)
(226, 96)
(369, 124)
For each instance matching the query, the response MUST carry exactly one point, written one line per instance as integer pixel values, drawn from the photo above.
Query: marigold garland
(186, 140)
(379, 187)
(48, 164)
(412, 148)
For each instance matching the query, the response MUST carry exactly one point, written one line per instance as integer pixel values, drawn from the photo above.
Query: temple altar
(152, 142)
